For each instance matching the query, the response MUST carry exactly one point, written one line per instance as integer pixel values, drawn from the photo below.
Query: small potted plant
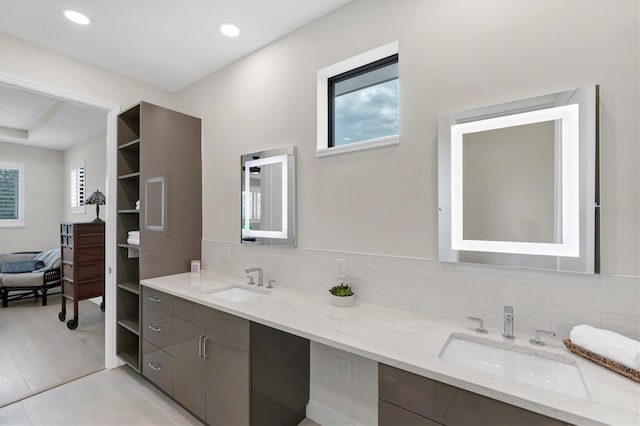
(342, 295)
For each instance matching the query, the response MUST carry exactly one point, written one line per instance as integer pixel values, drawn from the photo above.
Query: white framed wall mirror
(268, 197)
(518, 183)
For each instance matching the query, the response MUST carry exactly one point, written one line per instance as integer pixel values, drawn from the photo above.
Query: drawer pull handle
(155, 366)
(200, 354)
(204, 347)
(154, 328)
(154, 299)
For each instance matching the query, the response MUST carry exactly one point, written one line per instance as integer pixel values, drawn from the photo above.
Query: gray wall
(454, 55)
(93, 152)
(377, 208)
(43, 169)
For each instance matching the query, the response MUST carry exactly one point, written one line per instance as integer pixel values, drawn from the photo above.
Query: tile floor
(37, 351)
(108, 397)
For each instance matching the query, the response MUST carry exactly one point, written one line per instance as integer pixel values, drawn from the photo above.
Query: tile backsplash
(541, 299)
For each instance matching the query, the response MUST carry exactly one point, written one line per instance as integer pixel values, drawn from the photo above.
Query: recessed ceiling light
(229, 30)
(77, 17)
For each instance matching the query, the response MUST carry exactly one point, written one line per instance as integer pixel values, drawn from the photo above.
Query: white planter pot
(343, 301)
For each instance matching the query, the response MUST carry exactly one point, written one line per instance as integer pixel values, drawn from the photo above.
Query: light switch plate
(341, 268)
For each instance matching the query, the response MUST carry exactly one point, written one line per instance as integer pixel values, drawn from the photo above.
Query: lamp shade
(96, 198)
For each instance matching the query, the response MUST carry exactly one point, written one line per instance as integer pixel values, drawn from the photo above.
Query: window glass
(11, 194)
(77, 189)
(364, 103)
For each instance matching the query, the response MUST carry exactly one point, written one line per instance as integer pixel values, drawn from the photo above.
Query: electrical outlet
(226, 254)
(341, 268)
(343, 368)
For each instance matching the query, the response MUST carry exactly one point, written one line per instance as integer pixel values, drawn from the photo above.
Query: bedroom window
(11, 194)
(77, 189)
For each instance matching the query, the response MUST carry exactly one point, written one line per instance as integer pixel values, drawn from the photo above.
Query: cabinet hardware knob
(154, 328)
(154, 299)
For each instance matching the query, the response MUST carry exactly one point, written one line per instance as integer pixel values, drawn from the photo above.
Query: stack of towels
(133, 238)
(138, 205)
(608, 344)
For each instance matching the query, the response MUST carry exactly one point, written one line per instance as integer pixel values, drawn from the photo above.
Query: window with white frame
(11, 194)
(358, 102)
(77, 189)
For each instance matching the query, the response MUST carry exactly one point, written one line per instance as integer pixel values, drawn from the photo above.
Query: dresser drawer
(157, 366)
(157, 326)
(157, 299)
(219, 322)
(79, 272)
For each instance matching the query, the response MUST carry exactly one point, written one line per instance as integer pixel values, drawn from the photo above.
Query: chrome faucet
(508, 322)
(259, 271)
(537, 340)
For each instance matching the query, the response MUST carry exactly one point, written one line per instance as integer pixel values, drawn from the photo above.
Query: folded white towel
(134, 241)
(134, 234)
(138, 205)
(608, 344)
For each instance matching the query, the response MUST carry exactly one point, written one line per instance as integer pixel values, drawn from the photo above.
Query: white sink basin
(237, 294)
(549, 371)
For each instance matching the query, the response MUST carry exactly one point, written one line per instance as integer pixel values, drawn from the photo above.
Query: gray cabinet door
(189, 367)
(227, 382)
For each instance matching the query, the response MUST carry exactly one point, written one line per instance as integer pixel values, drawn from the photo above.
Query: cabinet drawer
(450, 405)
(88, 255)
(76, 272)
(218, 322)
(157, 366)
(157, 326)
(157, 299)
(390, 415)
(89, 240)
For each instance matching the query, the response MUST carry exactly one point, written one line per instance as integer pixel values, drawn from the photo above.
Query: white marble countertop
(413, 343)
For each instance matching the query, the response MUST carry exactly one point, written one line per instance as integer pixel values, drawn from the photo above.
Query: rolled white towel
(608, 344)
(138, 205)
(135, 234)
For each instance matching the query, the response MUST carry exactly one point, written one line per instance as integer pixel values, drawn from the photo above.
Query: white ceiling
(32, 119)
(168, 43)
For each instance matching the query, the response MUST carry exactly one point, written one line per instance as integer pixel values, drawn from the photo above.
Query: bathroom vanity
(224, 369)
(204, 316)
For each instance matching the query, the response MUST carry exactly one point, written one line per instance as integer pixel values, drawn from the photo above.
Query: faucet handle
(271, 283)
(480, 328)
(508, 311)
(250, 279)
(537, 340)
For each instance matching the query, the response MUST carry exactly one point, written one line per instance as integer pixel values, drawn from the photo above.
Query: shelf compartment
(134, 144)
(131, 359)
(130, 287)
(131, 324)
(129, 176)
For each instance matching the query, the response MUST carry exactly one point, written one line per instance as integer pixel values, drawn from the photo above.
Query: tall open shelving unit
(128, 267)
(159, 164)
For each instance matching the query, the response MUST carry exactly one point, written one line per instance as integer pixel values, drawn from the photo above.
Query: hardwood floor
(38, 352)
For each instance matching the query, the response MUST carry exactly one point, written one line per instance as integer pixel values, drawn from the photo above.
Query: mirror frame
(576, 111)
(287, 236)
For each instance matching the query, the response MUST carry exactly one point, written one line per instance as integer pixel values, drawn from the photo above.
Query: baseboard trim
(326, 416)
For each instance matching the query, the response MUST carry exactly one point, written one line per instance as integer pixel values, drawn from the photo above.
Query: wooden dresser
(82, 250)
